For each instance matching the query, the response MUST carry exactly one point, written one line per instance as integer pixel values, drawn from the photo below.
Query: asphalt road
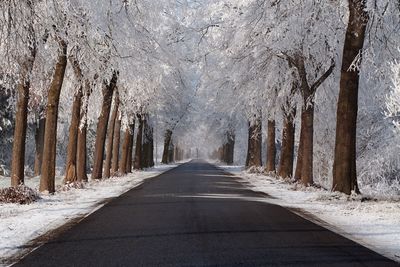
(197, 215)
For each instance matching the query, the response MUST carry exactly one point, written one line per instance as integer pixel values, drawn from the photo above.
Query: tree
(344, 167)
(102, 125)
(47, 179)
(111, 134)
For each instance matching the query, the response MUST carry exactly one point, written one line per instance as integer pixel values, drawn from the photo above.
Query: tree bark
(299, 163)
(81, 154)
(102, 126)
(285, 168)
(18, 158)
(167, 144)
(271, 147)
(47, 181)
(71, 174)
(125, 151)
(138, 149)
(254, 158)
(344, 167)
(109, 148)
(130, 149)
(308, 146)
(39, 140)
(115, 151)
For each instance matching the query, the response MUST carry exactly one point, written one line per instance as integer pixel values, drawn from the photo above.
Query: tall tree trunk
(285, 169)
(21, 124)
(123, 164)
(109, 148)
(308, 146)
(130, 149)
(146, 143)
(230, 148)
(344, 167)
(71, 174)
(255, 145)
(299, 163)
(47, 180)
(18, 157)
(39, 139)
(138, 149)
(271, 147)
(81, 154)
(115, 151)
(167, 144)
(102, 125)
(151, 147)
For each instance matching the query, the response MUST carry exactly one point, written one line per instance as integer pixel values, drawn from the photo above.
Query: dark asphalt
(197, 215)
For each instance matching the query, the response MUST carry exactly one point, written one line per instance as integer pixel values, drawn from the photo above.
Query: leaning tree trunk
(271, 147)
(285, 168)
(254, 145)
(115, 151)
(344, 167)
(71, 174)
(109, 148)
(167, 143)
(138, 149)
(39, 139)
(102, 125)
(47, 180)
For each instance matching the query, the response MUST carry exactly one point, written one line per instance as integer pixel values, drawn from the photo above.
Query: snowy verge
(372, 223)
(20, 224)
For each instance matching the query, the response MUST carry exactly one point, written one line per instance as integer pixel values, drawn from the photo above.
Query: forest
(305, 90)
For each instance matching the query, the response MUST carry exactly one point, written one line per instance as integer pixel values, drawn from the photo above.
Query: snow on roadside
(372, 223)
(20, 224)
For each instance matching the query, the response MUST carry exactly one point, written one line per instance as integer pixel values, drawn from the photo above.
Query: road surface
(197, 215)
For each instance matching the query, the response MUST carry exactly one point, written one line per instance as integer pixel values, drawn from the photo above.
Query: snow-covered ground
(372, 223)
(20, 224)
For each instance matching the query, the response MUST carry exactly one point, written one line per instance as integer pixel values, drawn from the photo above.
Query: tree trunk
(138, 149)
(299, 163)
(271, 147)
(115, 151)
(130, 149)
(285, 169)
(308, 146)
(123, 164)
(167, 144)
(344, 167)
(102, 125)
(109, 148)
(230, 148)
(47, 181)
(71, 174)
(146, 144)
(18, 156)
(151, 148)
(81, 154)
(39, 139)
(254, 145)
